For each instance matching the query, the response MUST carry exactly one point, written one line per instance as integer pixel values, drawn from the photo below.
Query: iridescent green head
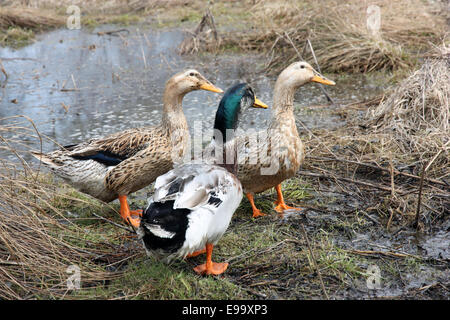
(235, 100)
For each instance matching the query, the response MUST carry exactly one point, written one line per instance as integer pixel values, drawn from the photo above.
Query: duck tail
(46, 159)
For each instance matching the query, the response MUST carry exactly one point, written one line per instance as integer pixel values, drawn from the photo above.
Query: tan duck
(122, 163)
(279, 150)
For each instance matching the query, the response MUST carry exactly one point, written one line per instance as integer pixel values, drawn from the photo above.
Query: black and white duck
(193, 203)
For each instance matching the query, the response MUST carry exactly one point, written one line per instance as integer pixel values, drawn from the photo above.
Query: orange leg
(196, 253)
(281, 205)
(256, 211)
(210, 267)
(130, 216)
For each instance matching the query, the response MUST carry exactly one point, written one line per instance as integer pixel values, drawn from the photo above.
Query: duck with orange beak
(113, 167)
(280, 151)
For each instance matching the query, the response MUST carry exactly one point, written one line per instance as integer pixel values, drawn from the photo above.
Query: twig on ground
(113, 223)
(314, 262)
(331, 177)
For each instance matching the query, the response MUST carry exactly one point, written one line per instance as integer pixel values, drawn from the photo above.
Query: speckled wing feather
(142, 168)
(123, 144)
(194, 185)
(280, 149)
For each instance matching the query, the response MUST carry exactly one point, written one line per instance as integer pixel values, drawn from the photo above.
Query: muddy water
(76, 84)
(425, 255)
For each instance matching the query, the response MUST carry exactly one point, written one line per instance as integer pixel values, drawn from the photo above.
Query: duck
(115, 166)
(279, 152)
(193, 203)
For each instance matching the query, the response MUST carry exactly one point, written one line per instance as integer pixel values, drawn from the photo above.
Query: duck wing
(117, 147)
(191, 186)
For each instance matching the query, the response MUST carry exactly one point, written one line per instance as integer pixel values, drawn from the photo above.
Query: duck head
(300, 73)
(190, 80)
(236, 100)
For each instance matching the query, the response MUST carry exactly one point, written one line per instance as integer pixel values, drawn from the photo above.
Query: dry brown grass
(339, 34)
(45, 14)
(30, 18)
(416, 113)
(95, 6)
(38, 240)
(368, 169)
(381, 160)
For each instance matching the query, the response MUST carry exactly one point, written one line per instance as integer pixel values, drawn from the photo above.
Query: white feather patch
(158, 231)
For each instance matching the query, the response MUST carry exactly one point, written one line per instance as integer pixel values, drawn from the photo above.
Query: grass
(341, 45)
(16, 37)
(149, 279)
(269, 257)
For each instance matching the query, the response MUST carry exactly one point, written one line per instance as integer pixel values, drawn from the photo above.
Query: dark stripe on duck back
(103, 157)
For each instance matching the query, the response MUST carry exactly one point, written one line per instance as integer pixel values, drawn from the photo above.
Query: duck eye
(302, 66)
(192, 74)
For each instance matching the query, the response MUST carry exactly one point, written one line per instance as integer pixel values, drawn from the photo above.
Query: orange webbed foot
(257, 213)
(215, 268)
(134, 220)
(136, 212)
(283, 206)
(211, 268)
(133, 217)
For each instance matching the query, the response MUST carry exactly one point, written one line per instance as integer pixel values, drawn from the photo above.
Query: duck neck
(283, 101)
(173, 117)
(225, 125)
(229, 156)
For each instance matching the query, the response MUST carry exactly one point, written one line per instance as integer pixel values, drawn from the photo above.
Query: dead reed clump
(417, 112)
(40, 245)
(204, 37)
(29, 18)
(395, 161)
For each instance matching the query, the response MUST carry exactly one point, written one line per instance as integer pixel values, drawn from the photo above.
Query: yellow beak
(323, 80)
(259, 104)
(210, 87)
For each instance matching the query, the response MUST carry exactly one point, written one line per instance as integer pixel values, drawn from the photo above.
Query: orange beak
(210, 87)
(321, 79)
(259, 104)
